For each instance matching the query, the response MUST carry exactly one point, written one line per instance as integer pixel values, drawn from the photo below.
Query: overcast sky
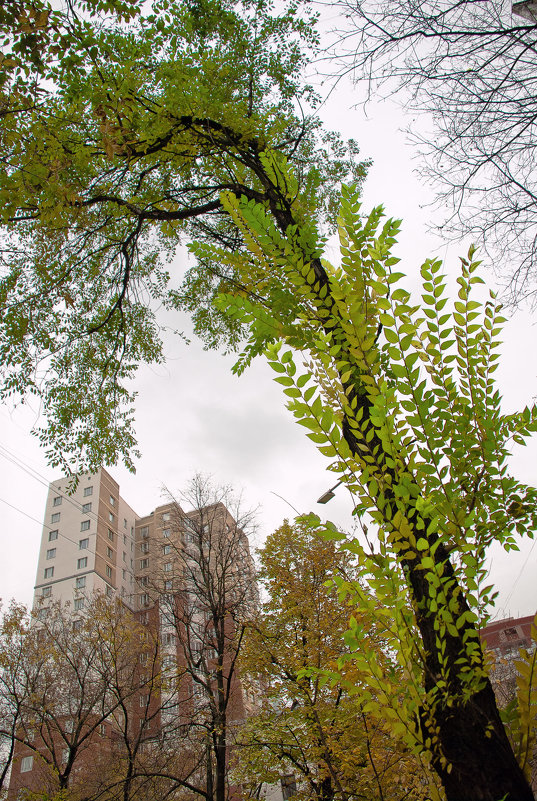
(194, 415)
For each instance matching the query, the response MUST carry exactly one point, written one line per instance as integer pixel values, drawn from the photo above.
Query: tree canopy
(119, 132)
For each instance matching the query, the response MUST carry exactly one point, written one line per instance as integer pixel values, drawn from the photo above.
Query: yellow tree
(308, 729)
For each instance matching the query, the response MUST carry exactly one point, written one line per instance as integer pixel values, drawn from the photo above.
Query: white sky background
(194, 415)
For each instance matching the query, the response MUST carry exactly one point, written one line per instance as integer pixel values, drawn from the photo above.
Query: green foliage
(400, 396)
(121, 125)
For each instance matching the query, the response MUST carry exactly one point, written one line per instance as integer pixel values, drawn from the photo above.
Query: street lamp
(329, 494)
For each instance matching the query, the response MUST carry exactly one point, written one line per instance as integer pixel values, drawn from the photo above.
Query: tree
(471, 68)
(69, 683)
(423, 449)
(131, 133)
(203, 587)
(305, 727)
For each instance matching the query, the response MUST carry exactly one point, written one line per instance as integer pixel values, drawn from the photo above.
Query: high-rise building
(187, 580)
(87, 543)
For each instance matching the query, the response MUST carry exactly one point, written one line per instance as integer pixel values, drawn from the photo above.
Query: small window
(80, 582)
(144, 599)
(144, 547)
(144, 563)
(111, 517)
(143, 657)
(144, 532)
(84, 526)
(88, 491)
(124, 556)
(124, 572)
(86, 508)
(82, 562)
(109, 591)
(102, 729)
(49, 572)
(79, 604)
(166, 533)
(112, 500)
(143, 700)
(57, 500)
(27, 764)
(46, 592)
(124, 539)
(108, 571)
(166, 549)
(168, 585)
(166, 516)
(124, 522)
(144, 581)
(69, 726)
(53, 535)
(110, 535)
(83, 544)
(55, 518)
(167, 567)
(51, 553)
(109, 553)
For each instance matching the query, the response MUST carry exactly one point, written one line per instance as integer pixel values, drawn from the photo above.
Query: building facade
(186, 581)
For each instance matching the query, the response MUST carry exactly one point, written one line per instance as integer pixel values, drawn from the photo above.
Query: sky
(194, 415)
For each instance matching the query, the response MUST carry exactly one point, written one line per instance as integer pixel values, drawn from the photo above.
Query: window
(53, 535)
(57, 500)
(86, 508)
(144, 563)
(167, 567)
(112, 500)
(124, 522)
(69, 726)
(110, 535)
(166, 533)
(84, 526)
(79, 604)
(144, 581)
(82, 563)
(102, 729)
(166, 549)
(83, 544)
(168, 638)
(166, 516)
(88, 491)
(144, 599)
(143, 657)
(46, 592)
(108, 571)
(51, 553)
(80, 582)
(144, 620)
(144, 532)
(124, 572)
(109, 591)
(111, 517)
(109, 553)
(77, 625)
(124, 556)
(168, 585)
(55, 518)
(144, 547)
(143, 700)
(49, 572)
(27, 764)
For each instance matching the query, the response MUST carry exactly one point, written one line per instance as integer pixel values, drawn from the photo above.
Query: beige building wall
(87, 543)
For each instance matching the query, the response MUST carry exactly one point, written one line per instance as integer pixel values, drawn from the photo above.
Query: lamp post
(329, 494)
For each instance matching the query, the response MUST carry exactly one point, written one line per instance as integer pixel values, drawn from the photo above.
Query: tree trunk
(479, 762)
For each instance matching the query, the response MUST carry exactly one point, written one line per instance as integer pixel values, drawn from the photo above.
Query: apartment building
(87, 544)
(187, 578)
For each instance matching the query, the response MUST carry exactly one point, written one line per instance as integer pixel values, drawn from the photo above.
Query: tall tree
(214, 595)
(466, 72)
(304, 726)
(132, 131)
(424, 449)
